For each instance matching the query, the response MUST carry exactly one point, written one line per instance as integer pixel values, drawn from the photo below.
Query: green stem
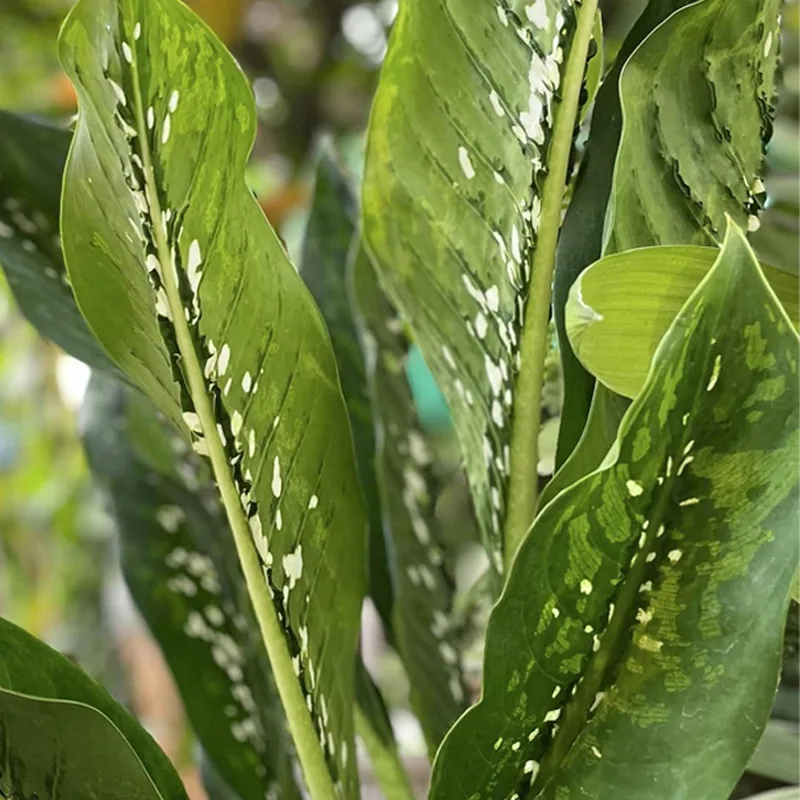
(523, 489)
(301, 726)
(389, 770)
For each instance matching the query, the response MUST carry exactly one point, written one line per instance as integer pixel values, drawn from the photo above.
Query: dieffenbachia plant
(636, 643)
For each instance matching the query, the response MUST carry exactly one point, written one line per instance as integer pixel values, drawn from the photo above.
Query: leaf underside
(457, 149)
(158, 224)
(644, 612)
(63, 736)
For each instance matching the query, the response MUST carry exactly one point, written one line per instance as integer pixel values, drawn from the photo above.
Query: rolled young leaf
(191, 292)
(624, 303)
(698, 104)
(63, 735)
(636, 647)
(32, 156)
(468, 148)
(179, 561)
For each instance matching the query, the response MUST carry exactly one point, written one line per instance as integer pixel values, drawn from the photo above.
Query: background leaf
(62, 735)
(626, 301)
(645, 610)
(213, 322)
(32, 160)
(180, 564)
(697, 101)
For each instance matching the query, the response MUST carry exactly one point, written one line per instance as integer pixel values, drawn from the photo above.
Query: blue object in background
(431, 405)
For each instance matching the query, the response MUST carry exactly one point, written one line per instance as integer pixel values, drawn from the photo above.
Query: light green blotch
(641, 444)
(642, 712)
(583, 558)
(754, 416)
(767, 391)
(756, 356)
(612, 516)
(669, 398)
(675, 679)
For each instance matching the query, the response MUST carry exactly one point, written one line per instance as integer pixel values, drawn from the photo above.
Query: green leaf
(372, 354)
(63, 736)
(424, 587)
(179, 561)
(329, 235)
(776, 754)
(467, 159)
(625, 302)
(212, 321)
(787, 793)
(32, 156)
(581, 237)
(642, 623)
(697, 100)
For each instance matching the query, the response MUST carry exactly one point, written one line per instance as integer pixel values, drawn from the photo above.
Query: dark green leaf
(63, 736)
(179, 561)
(32, 156)
(636, 648)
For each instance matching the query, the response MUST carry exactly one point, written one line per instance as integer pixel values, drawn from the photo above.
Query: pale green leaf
(625, 302)
(192, 294)
(179, 561)
(32, 156)
(459, 161)
(776, 754)
(636, 648)
(62, 736)
(697, 99)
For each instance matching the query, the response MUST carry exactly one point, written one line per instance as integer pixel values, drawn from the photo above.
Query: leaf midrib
(309, 752)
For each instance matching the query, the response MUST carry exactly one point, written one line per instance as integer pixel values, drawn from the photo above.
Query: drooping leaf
(459, 177)
(424, 587)
(625, 302)
(635, 650)
(63, 736)
(214, 324)
(697, 101)
(329, 235)
(582, 232)
(180, 563)
(32, 156)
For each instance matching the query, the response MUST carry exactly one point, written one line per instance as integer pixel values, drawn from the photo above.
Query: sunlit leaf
(645, 611)
(625, 302)
(179, 561)
(459, 162)
(63, 736)
(697, 101)
(212, 321)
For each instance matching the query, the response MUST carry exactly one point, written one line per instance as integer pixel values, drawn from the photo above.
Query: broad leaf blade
(32, 156)
(636, 648)
(697, 100)
(62, 735)
(424, 587)
(458, 144)
(625, 302)
(213, 322)
(179, 561)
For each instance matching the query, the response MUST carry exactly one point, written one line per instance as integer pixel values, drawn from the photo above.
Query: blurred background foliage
(313, 66)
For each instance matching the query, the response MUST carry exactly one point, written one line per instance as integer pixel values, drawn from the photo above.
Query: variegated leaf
(424, 585)
(62, 736)
(467, 159)
(180, 564)
(697, 100)
(636, 648)
(192, 294)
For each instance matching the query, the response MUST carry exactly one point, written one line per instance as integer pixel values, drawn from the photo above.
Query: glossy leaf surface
(63, 736)
(644, 612)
